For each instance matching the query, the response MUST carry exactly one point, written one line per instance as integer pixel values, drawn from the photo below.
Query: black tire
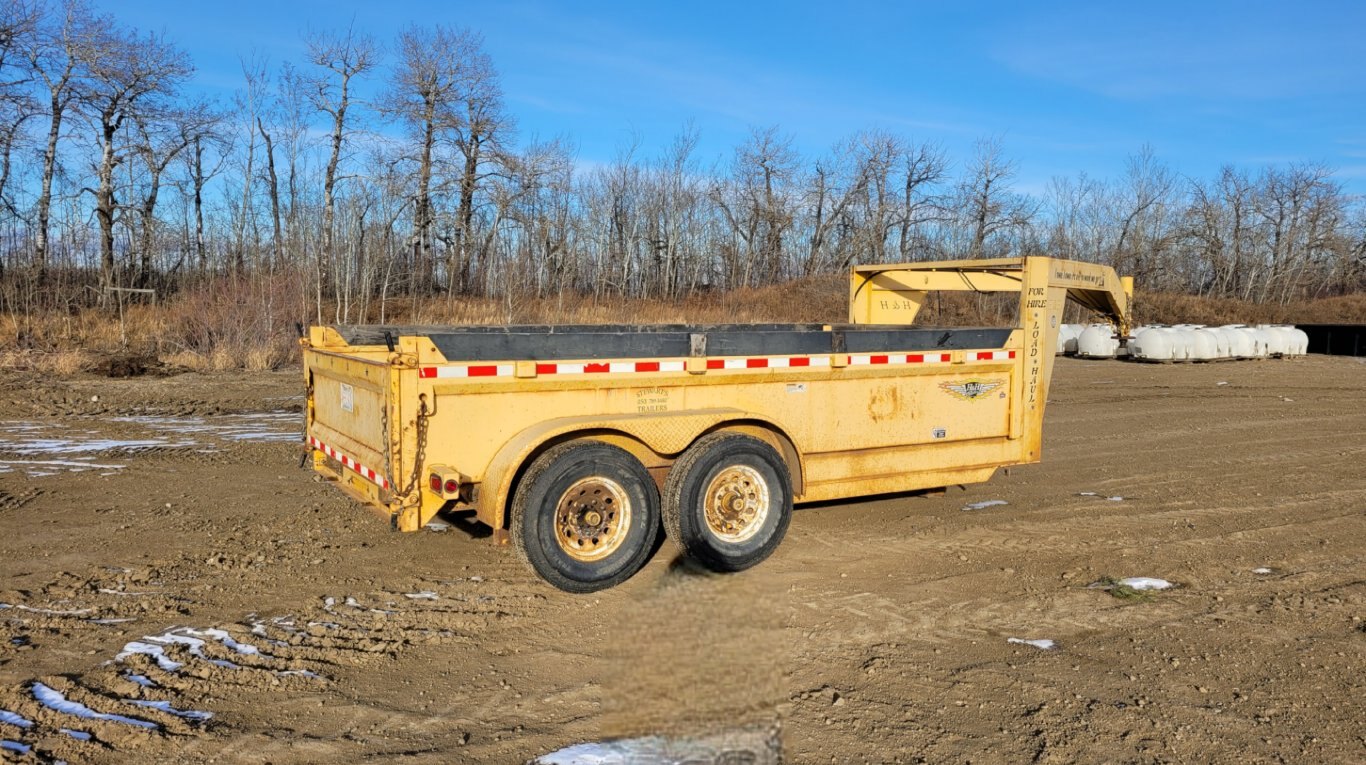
(604, 479)
(746, 470)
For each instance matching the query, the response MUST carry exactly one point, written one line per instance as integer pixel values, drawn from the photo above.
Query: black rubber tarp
(550, 343)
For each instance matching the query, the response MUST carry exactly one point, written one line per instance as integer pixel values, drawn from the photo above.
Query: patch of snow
(435, 525)
(123, 620)
(601, 754)
(165, 706)
(73, 466)
(48, 611)
(158, 654)
(736, 746)
(300, 673)
(11, 718)
(79, 735)
(1145, 583)
(1087, 494)
(1041, 644)
(273, 427)
(40, 446)
(54, 700)
(1115, 499)
(195, 644)
(154, 646)
(984, 504)
(259, 629)
(424, 595)
(246, 649)
(1263, 570)
(143, 680)
(14, 746)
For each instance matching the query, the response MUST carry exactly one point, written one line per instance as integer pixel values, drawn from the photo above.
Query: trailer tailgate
(348, 411)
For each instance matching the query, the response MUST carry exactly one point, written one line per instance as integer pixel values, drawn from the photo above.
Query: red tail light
(452, 486)
(435, 483)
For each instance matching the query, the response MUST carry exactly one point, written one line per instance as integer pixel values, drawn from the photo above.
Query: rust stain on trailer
(885, 403)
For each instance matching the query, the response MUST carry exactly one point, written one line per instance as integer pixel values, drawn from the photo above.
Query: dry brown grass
(240, 324)
(1171, 308)
(62, 363)
(811, 300)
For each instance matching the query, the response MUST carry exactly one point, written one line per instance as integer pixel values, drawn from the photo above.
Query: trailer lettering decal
(652, 400)
(969, 390)
(1035, 343)
(346, 461)
(678, 365)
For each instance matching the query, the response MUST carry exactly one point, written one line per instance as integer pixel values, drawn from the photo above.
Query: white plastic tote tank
(1097, 341)
(1181, 340)
(1153, 344)
(1227, 341)
(1067, 338)
(1263, 339)
(1257, 339)
(1277, 339)
(1242, 341)
(1204, 345)
(1220, 341)
(1299, 345)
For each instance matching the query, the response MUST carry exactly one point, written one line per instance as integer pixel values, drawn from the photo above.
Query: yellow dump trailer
(577, 443)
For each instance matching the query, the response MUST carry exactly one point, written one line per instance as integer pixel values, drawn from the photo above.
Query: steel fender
(664, 434)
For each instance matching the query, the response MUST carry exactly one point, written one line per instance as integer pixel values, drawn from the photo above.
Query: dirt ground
(877, 633)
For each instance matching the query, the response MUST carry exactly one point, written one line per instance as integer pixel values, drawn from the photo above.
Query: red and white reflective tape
(679, 365)
(482, 370)
(782, 362)
(346, 461)
(901, 358)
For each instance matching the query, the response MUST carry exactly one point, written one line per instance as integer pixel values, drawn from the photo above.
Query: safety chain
(307, 446)
(420, 457)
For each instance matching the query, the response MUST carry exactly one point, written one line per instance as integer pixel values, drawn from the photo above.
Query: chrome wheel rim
(737, 503)
(592, 518)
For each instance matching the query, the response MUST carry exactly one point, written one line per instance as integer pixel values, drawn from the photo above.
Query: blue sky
(1067, 87)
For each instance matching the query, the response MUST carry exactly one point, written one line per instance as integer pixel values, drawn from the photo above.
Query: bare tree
(442, 198)
(1299, 209)
(427, 86)
(924, 167)
(160, 138)
(758, 206)
(480, 135)
(290, 133)
(676, 194)
(833, 186)
(344, 57)
(1144, 210)
(249, 102)
(19, 23)
(129, 75)
(56, 53)
(986, 203)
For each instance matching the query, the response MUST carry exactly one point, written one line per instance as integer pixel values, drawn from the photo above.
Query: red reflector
(452, 486)
(435, 482)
